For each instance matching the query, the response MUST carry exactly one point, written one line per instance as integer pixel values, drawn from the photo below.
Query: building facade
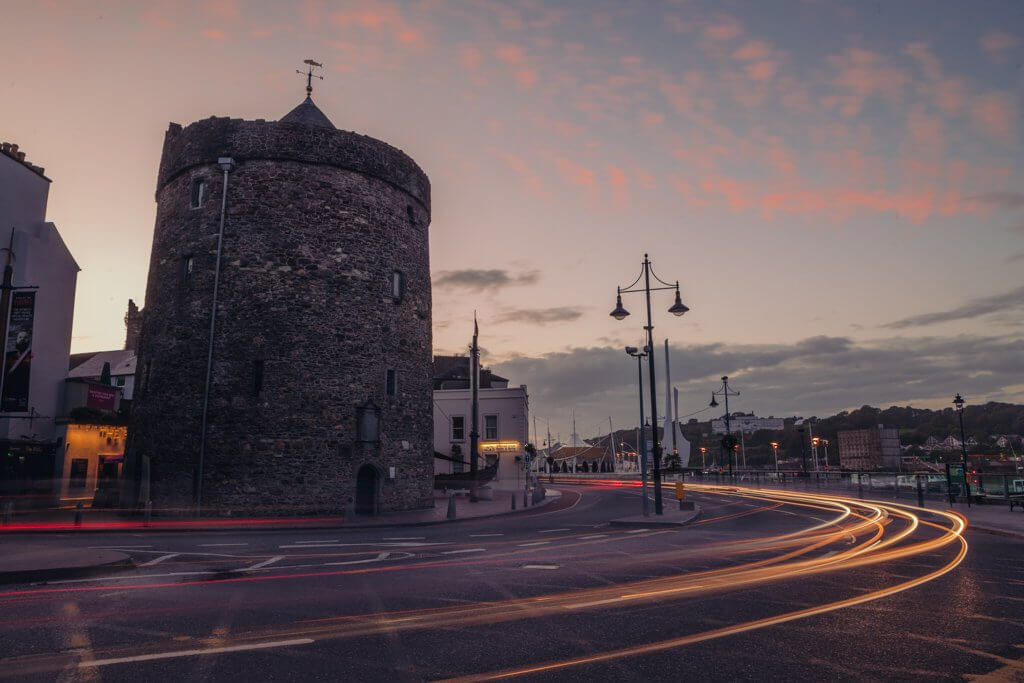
(38, 323)
(503, 421)
(866, 449)
(319, 395)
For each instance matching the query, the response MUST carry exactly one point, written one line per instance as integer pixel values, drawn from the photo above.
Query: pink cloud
(470, 57)
(526, 78)
(568, 129)
(575, 174)
(155, 19)
(762, 71)
(860, 74)
(510, 54)
(754, 50)
(926, 132)
(998, 45)
(653, 120)
(224, 9)
(723, 30)
(379, 16)
(213, 34)
(617, 179)
(644, 178)
(533, 182)
(994, 115)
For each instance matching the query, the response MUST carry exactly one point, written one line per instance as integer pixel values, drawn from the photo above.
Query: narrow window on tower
(412, 214)
(188, 265)
(198, 192)
(391, 383)
(397, 286)
(257, 377)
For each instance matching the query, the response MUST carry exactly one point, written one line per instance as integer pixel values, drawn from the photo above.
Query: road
(765, 585)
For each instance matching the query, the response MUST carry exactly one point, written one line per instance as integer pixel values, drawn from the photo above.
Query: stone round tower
(320, 396)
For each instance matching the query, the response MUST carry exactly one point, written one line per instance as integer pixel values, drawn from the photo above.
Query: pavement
(755, 589)
(671, 516)
(32, 563)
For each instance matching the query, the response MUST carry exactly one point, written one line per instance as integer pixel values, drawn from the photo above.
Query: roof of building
(9, 149)
(308, 114)
(122, 362)
(581, 453)
(452, 372)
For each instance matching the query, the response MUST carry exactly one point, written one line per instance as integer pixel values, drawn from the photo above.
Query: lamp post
(814, 450)
(640, 355)
(619, 313)
(824, 442)
(775, 450)
(703, 453)
(803, 449)
(728, 441)
(958, 401)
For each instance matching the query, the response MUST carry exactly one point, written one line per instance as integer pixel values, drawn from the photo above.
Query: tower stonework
(323, 323)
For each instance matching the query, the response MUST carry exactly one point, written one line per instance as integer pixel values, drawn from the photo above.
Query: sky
(836, 186)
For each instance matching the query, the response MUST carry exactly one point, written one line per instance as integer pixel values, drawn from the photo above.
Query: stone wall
(317, 220)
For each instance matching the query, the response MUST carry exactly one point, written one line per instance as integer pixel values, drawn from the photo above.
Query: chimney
(133, 326)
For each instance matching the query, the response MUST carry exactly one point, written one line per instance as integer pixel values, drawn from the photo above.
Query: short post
(920, 492)
(147, 514)
(78, 514)
(451, 506)
(526, 500)
(513, 501)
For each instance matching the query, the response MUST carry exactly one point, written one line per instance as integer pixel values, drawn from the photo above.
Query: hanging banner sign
(101, 397)
(18, 353)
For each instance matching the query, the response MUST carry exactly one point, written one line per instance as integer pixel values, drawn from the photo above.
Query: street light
(958, 401)
(824, 442)
(641, 450)
(728, 441)
(619, 313)
(814, 442)
(775, 449)
(703, 462)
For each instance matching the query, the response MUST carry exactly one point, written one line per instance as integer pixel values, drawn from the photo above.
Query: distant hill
(915, 425)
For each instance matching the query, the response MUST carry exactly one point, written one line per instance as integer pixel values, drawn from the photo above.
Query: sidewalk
(21, 563)
(63, 520)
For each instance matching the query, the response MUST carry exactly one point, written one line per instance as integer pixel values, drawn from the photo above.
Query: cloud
(533, 182)
(997, 45)
(999, 200)
(976, 308)
(213, 34)
(814, 376)
(575, 173)
(994, 115)
(861, 74)
(155, 19)
(512, 55)
(224, 9)
(1015, 257)
(541, 316)
(723, 30)
(470, 57)
(480, 280)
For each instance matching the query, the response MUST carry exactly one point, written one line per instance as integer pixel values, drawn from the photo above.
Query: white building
(122, 368)
(38, 343)
(747, 424)
(503, 421)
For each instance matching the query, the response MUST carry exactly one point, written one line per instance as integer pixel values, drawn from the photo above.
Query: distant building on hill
(866, 449)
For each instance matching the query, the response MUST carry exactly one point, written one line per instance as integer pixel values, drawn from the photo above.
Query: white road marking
(637, 531)
(404, 538)
(464, 550)
(829, 554)
(587, 538)
(158, 560)
(264, 563)
(219, 545)
(551, 531)
(484, 535)
(194, 653)
(379, 558)
(319, 540)
(541, 566)
(115, 547)
(127, 577)
(523, 545)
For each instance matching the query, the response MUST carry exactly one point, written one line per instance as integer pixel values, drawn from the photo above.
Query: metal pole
(226, 166)
(963, 451)
(641, 446)
(656, 447)
(728, 428)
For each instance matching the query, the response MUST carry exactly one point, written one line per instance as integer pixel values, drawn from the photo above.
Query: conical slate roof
(308, 114)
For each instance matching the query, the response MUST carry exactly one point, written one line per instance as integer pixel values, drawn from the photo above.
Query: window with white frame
(458, 428)
(490, 427)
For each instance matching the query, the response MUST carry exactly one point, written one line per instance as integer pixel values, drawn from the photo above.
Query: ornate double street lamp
(728, 441)
(958, 401)
(619, 313)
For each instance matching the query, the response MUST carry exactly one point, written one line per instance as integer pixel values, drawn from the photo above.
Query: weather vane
(310, 75)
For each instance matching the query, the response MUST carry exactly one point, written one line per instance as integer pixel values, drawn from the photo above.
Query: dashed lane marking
(115, 547)
(541, 566)
(404, 538)
(551, 531)
(397, 544)
(484, 535)
(219, 545)
(464, 550)
(587, 538)
(194, 653)
(319, 540)
(264, 563)
(158, 560)
(637, 531)
(524, 545)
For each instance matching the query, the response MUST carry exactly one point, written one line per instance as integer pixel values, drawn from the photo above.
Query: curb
(996, 532)
(60, 573)
(271, 527)
(653, 521)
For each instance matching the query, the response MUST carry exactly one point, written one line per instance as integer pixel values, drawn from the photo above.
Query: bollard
(8, 512)
(148, 513)
(78, 514)
(513, 501)
(920, 492)
(451, 506)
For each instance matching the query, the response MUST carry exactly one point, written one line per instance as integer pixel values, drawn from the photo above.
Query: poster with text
(18, 353)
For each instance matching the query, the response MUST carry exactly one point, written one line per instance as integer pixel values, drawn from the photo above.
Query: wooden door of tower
(366, 490)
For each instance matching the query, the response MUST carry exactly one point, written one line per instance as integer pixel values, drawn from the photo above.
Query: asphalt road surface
(764, 586)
